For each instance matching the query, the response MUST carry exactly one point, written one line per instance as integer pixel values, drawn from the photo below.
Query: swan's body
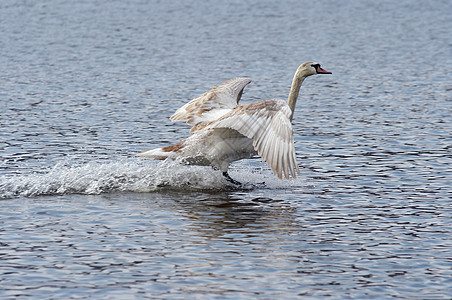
(224, 131)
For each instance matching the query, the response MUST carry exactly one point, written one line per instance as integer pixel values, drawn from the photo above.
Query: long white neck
(297, 81)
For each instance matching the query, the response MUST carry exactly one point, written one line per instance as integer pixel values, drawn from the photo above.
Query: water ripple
(85, 86)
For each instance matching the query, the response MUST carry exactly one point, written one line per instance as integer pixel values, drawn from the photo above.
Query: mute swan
(224, 131)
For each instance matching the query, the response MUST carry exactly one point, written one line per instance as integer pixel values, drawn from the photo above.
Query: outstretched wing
(212, 104)
(267, 123)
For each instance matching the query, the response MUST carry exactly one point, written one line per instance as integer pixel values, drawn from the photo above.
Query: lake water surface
(86, 85)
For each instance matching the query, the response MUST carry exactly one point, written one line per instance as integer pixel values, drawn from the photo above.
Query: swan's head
(311, 68)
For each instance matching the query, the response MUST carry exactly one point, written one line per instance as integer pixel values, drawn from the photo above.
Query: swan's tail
(155, 154)
(164, 152)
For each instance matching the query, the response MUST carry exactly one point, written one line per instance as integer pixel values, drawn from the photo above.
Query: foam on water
(130, 175)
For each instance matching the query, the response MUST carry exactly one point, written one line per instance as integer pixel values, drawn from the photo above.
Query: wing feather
(212, 104)
(268, 124)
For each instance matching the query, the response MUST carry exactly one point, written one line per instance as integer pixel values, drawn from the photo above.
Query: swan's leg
(228, 178)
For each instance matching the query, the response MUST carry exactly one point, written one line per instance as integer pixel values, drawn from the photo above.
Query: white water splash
(99, 177)
(129, 175)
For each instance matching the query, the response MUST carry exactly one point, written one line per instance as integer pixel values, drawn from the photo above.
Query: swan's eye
(315, 66)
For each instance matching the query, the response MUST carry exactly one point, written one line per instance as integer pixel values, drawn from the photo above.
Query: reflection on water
(235, 217)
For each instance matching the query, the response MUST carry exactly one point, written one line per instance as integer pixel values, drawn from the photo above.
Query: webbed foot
(231, 180)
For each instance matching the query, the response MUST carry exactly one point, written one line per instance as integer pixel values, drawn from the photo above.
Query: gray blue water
(86, 85)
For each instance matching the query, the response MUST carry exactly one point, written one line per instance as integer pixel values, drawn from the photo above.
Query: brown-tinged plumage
(224, 131)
